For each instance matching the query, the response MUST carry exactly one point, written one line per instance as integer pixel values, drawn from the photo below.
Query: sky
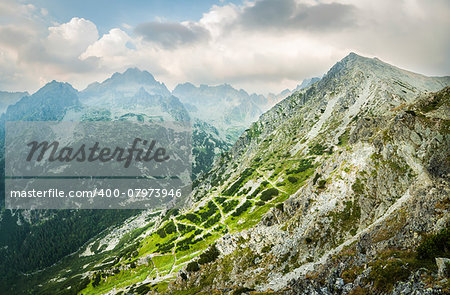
(261, 46)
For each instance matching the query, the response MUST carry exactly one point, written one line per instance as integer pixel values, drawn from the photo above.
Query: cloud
(262, 46)
(71, 39)
(294, 15)
(170, 35)
(113, 43)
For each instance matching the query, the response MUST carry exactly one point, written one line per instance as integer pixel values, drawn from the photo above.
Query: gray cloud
(171, 35)
(289, 15)
(13, 37)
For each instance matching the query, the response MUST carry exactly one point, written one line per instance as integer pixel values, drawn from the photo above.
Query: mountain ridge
(335, 189)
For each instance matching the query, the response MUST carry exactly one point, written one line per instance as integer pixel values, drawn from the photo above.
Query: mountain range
(340, 188)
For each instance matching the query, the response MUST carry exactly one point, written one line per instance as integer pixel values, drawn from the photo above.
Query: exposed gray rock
(443, 265)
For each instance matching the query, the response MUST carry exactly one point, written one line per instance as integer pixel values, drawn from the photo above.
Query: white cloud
(71, 39)
(110, 45)
(255, 45)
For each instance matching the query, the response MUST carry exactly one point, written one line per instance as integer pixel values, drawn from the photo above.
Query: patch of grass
(437, 245)
(358, 186)
(348, 218)
(343, 139)
(163, 262)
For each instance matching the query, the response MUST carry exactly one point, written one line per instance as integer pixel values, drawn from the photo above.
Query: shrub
(317, 149)
(161, 233)
(170, 212)
(303, 165)
(184, 229)
(220, 200)
(207, 211)
(343, 139)
(268, 194)
(259, 189)
(97, 279)
(191, 217)
(209, 255)
(242, 290)
(241, 209)
(192, 267)
(316, 177)
(358, 187)
(321, 184)
(213, 220)
(292, 179)
(170, 228)
(184, 244)
(236, 186)
(245, 191)
(166, 247)
(266, 248)
(436, 245)
(386, 273)
(143, 289)
(280, 207)
(229, 205)
(260, 203)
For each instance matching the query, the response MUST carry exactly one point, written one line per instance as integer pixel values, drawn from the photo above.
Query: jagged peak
(131, 76)
(55, 85)
(134, 73)
(184, 86)
(353, 57)
(354, 61)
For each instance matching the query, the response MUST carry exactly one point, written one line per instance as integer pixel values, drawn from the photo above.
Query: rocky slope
(362, 158)
(9, 98)
(341, 188)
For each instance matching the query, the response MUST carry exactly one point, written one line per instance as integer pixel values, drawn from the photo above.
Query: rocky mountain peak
(136, 75)
(48, 103)
(125, 84)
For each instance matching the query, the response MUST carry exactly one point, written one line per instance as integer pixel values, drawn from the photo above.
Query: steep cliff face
(359, 165)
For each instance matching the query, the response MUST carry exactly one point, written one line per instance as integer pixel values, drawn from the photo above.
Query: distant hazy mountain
(276, 98)
(28, 240)
(126, 84)
(48, 104)
(8, 98)
(230, 110)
